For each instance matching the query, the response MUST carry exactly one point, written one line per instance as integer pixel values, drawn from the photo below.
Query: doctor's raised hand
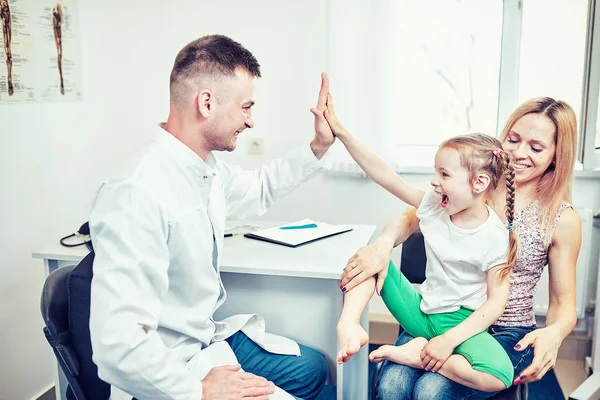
(323, 135)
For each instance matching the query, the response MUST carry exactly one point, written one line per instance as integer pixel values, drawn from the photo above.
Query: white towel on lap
(217, 354)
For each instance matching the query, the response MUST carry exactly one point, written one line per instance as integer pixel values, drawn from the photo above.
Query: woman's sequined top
(532, 257)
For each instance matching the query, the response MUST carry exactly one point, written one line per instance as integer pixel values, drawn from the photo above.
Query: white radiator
(584, 279)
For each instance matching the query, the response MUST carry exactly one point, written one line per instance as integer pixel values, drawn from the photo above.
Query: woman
(541, 135)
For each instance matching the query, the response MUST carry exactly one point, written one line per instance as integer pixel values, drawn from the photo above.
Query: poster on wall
(40, 57)
(58, 57)
(17, 54)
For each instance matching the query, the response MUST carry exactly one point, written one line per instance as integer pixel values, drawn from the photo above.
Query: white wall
(54, 156)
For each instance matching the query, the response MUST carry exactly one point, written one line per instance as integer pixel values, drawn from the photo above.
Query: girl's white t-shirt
(457, 259)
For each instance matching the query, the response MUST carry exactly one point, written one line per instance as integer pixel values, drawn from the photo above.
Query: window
(407, 74)
(589, 152)
(553, 35)
(449, 64)
(597, 146)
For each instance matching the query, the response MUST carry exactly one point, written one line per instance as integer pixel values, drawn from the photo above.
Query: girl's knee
(490, 383)
(496, 377)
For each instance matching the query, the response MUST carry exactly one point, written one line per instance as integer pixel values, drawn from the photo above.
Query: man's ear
(481, 183)
(204, 103)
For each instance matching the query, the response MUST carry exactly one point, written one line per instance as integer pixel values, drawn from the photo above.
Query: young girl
(470, 253)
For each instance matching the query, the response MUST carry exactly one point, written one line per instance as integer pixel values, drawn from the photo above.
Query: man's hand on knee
(228, 383)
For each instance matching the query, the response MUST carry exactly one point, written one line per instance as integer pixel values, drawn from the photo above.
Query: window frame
(587, 154)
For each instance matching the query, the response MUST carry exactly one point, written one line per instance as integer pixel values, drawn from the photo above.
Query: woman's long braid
(509, 172)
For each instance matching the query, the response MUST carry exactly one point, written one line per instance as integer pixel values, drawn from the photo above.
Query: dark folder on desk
(298, 233)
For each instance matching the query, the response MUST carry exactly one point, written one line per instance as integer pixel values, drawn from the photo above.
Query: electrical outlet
(256, 146)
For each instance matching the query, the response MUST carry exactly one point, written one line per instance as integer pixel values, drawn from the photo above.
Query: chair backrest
(413, 258)
(54, 308)
(79, 289)
(66, 312)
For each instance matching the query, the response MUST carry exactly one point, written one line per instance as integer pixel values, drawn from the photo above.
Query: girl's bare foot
(408, 354)
(351, 338)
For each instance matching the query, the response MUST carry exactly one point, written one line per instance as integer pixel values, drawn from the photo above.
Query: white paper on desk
(219, 353)
(296, 237)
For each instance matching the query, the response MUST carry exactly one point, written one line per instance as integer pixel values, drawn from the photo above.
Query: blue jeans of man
(301, 376)
(402, 382)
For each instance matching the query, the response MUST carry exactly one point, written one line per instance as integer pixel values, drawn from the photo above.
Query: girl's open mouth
(444, 201)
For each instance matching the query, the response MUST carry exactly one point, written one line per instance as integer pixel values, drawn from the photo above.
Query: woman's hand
(435, 353)
(365, 263)
(545, 342)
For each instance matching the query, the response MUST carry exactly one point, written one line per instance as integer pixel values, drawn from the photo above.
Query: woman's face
(532, 143)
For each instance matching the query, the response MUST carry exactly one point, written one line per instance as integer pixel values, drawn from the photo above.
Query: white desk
(295, 289)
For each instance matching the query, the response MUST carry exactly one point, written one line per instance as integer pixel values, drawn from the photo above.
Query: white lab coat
(158, 236)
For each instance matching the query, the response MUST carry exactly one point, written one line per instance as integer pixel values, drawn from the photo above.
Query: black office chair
(412, 266)
(65, 306)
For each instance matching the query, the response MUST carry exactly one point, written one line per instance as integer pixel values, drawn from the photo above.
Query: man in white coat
(158, 236)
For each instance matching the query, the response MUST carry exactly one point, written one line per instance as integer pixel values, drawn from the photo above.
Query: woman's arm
(561, 317)
(371, 163)
(374, 258)
(435, 353)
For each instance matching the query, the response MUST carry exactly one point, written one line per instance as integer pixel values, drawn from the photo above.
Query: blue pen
(299, 226)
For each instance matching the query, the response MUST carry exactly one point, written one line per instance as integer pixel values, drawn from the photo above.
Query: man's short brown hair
(214, 56)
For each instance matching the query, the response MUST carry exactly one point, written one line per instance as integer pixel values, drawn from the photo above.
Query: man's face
(232, 111)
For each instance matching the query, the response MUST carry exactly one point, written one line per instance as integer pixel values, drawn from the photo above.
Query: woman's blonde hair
(483, 153)
(554, 186)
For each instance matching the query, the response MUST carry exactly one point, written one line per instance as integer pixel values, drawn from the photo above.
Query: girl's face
(452, 182)
(531, 142)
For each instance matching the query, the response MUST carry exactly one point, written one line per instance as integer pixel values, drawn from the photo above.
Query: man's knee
(316, 371)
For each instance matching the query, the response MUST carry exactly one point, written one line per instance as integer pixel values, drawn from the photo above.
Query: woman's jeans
(403, 382)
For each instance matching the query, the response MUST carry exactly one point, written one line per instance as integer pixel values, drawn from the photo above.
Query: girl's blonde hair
(482, 153)
(554, 186)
